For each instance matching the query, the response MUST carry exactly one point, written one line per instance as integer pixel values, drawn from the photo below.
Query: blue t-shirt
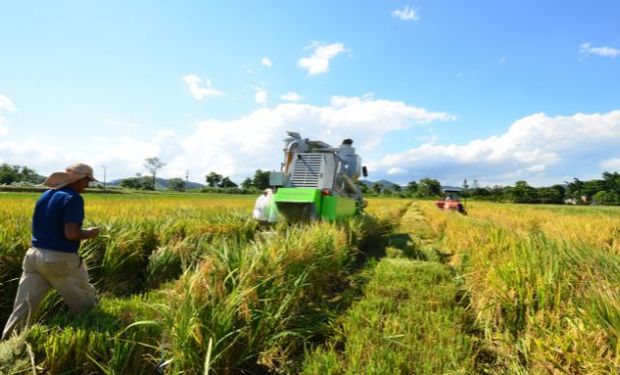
(53, 209)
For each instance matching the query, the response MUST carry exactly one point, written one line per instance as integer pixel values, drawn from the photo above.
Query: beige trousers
(43, 270)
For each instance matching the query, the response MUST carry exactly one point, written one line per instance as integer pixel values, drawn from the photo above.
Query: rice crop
(544, 283)
(188, 283)
(410, 320)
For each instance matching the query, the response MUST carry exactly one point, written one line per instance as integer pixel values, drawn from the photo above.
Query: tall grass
(546, 288)
(187, 285)
(411, 319)
(407, 323)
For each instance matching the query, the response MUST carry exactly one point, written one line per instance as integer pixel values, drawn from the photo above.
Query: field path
(411, 319)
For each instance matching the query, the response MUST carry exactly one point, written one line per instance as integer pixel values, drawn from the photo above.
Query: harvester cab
(317, 181)
(451, 201)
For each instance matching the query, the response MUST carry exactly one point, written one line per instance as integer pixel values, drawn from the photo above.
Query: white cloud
(266, 62)
(318, 61)
(6, 104)
(538, 148)
(396, 171)
(260, 96)
(194, 84)
(405, 14)
(586, 49)
(236, 147)
(611, 164)
(291, 97)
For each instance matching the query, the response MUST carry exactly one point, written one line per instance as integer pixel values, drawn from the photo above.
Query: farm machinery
(317, 181)
(451, 202)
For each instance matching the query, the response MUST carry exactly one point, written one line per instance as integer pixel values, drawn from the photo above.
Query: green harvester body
(311, 203)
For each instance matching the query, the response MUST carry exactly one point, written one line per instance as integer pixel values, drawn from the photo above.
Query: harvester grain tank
(317, 181)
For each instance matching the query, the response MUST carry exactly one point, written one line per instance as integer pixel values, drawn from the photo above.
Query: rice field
(543, 282)
(188, 284)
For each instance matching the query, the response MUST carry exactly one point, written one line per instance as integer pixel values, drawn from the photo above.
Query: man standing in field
(53, 260)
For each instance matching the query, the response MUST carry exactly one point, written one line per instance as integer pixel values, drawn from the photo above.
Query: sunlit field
(544, 282)
(189, 283)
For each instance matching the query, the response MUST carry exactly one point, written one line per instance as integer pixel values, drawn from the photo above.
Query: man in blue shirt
(53, 260)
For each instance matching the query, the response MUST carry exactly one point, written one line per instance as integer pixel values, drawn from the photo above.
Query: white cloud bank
(318, 61)
(539, 148)
(237, 147)
(6, 104)
(611, 164)
(405, 14)
(194, 82)
(587, 49)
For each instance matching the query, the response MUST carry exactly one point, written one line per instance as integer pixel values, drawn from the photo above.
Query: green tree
(137, 183)
(611, 182)
(592, 187)
(153, 165)
(8, 174)
(411, 188)
(176, 184)
(574, 188)
(523, 193)
(261, 179)
(465, 192)
(247, 184)
(213, 179)
(561, 189)
(549, 195)
(227, 183)
(377, 188)
(15, 173)
(429, 187)
(479, 192)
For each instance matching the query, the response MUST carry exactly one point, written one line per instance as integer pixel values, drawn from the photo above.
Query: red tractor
(452, 201)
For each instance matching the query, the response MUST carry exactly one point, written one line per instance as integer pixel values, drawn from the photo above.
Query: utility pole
(104, 173)
(187, 176)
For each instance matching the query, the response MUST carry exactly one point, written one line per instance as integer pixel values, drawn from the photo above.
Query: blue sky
(486, 90)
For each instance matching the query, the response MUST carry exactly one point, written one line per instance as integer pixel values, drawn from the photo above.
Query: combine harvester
(451, 202)
(317, 181)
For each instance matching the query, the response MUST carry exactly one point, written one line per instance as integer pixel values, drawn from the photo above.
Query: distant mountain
(384, 183)
(160, 183)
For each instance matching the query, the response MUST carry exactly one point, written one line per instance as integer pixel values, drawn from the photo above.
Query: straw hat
(73, 173)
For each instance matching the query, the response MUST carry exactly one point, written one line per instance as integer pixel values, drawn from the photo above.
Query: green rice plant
(114, 338)
(256, 304)
(407, 323)
(547, 301)
(242, 302)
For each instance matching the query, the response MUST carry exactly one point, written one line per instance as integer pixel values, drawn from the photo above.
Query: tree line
(605, 190)
(14, 174)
